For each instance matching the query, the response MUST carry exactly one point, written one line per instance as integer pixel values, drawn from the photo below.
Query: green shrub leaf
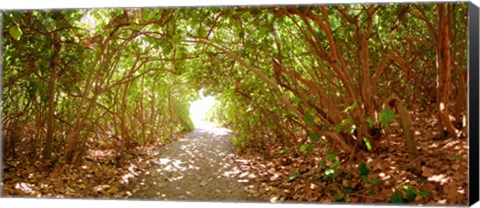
(368, 144)
(16, 32)
(293, 176)
(331, 155)
(411, 196)
(324, 128)
(363, 169)
(309, 148)
(397, 198)
(336, 164)
(309, 119)
(338, 128)
(423, 193)
(410, 192)
(351, 107)
(352, 129)
(322, 163)
(330, 172)
(314, 137)
(370, 122)
(386, 116)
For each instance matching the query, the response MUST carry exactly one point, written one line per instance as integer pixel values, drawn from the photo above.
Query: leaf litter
(205, 166)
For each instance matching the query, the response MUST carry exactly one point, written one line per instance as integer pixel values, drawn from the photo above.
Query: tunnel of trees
(342, 82)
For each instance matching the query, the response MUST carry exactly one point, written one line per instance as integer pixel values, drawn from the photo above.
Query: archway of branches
(289, 79)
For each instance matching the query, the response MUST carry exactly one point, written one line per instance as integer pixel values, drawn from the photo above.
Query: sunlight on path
(198, 112)
(201, 166)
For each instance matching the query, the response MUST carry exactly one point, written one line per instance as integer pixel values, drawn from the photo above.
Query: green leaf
(309, 148)
(348, 190)
(347, 198)
(410, 192)
(423, 193)
(248, 43)
(363, 169)
(241, 34)
(374, 180)
(397, 198)
(322, 163)
(336, 164)
(458, 158)
(411, 195)
(329, 172)
(16, 32)
(338, 128)
(372, 193)
(331, 155)
(345, 122)
(44, 98)
(367, 143)
(294, 176)
(314, 137)
(338, 196)
(370, 122)
(303, 147)
(352, 129)
(324, 128)
(345, 183)
(309, 119)
(284, 151)
(351, 107)
(386, 116)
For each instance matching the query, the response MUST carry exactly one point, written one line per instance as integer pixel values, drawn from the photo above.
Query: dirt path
(198, 167)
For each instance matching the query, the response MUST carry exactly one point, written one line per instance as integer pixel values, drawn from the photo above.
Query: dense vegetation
(331, 81)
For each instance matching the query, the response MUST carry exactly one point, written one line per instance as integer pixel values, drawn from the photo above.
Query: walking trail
(198, 167)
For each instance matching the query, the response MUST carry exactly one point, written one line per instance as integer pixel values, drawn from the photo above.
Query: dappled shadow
(199, 166)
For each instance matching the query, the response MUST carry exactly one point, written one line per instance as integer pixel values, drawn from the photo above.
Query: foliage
(302, 79)
(406, 194)
(385, 117)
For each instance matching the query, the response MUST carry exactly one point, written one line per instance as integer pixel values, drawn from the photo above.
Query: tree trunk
(443, 73)
(170, 110)
(406, 123)
(461, 101)
(123, 126)
(142, 111)
(47, 151)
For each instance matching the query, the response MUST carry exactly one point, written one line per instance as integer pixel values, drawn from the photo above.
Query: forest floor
(294, 176)
(197, 167)
(204, 165)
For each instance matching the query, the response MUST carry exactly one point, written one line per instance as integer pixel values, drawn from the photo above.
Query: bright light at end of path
(198, 112)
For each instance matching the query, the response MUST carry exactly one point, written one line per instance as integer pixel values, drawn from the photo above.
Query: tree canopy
(309, 76)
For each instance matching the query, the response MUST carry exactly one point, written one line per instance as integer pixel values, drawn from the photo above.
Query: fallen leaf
(427, 172)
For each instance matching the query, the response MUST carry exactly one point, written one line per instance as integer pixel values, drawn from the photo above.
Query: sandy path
(198, 167)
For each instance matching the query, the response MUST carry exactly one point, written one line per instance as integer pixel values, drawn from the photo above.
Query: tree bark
(47, 151)
(123, 125)
(443, 73)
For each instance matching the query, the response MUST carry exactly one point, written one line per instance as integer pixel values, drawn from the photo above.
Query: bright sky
(198, 111)
(88, 20)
